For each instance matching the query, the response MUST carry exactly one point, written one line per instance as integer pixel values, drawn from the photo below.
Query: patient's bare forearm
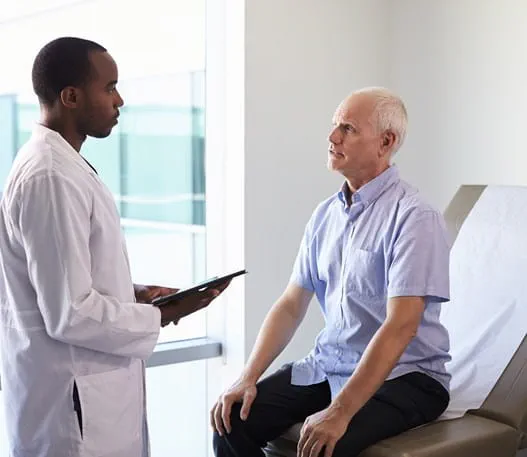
(277, 330)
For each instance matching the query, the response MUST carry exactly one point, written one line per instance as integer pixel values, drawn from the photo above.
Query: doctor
(74, 331)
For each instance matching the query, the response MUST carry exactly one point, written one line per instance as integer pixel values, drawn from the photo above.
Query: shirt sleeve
(54, 222)
(420, 258)
(302, 274)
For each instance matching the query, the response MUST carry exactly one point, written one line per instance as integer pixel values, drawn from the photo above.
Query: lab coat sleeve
(54, 220)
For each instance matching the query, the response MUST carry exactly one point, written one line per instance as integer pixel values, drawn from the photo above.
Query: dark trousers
(399, 405)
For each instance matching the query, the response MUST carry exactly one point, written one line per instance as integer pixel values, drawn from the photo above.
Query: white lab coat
(67, 311)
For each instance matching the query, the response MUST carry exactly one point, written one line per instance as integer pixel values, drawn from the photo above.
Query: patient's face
(355, 145)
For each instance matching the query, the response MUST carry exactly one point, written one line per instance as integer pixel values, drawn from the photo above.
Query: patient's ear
(388, 140)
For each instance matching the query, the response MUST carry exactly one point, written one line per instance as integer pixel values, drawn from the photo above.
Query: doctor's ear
(69, 97)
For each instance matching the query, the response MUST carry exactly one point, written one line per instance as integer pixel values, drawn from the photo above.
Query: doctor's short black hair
(61, 63)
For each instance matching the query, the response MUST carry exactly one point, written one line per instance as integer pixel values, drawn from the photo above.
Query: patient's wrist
(249, 377)
(344, 407)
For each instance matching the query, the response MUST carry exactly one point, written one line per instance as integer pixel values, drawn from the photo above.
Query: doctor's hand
(178, 308)
(242, 391)
(321, 432)
(145, 294)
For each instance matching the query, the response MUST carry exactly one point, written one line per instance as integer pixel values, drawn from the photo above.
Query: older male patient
(376, 257)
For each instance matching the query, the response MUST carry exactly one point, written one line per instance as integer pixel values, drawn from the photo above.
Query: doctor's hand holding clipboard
(175, 304)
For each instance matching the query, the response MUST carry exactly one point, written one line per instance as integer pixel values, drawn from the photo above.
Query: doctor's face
(99, 99)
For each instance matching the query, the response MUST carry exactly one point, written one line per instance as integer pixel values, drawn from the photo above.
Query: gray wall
(302, 58)
(460, 66)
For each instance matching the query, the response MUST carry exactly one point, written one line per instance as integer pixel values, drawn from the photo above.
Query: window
(153, 163)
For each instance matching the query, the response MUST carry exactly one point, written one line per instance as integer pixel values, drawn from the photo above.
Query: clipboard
(208, 284)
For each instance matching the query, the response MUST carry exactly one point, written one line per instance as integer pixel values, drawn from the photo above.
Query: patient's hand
(242, 391)
(321, 432)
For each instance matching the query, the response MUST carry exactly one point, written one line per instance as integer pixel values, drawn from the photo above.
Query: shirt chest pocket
(365, 275)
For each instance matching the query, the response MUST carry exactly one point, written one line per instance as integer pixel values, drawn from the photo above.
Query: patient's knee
(225, 443)
(237, 425)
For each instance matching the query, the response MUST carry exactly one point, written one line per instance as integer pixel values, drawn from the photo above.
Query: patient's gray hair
(389, 113)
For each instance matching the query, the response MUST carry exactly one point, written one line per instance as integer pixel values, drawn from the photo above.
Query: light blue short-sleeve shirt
(387, 243)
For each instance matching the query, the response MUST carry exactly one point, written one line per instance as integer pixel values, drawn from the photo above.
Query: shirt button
(337, 351)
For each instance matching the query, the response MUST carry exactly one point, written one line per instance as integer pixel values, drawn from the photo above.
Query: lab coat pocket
(366, 276)
(111, 411)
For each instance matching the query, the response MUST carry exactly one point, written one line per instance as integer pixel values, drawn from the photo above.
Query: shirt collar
(60, 142)
(40, 130)
(372, 190)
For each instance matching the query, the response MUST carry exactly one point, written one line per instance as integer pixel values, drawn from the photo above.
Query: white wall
(460, 66)
(301, 59)
(287, 66)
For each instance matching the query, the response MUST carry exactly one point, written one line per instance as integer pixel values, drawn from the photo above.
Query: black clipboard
(202, 286)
